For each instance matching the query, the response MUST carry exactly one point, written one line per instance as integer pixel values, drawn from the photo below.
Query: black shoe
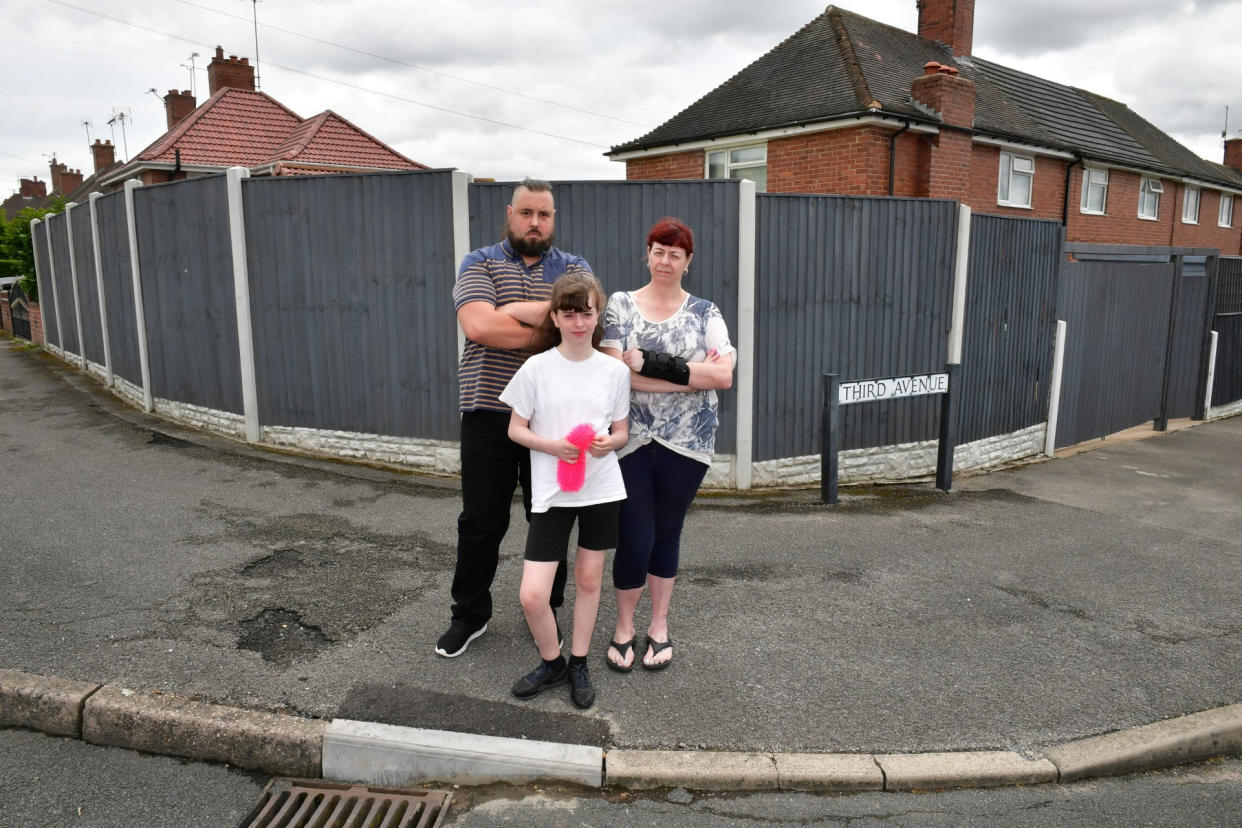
(538, 680)
(581, 693)
(454, 642)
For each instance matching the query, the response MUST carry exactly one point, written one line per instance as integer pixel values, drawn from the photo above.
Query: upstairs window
(1094, 191)
(1149, 199)
(1190, 206)
(750, 163)
(1225, 217)
(1017, 175)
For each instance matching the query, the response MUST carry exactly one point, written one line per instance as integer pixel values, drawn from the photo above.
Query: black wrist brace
(665, 367)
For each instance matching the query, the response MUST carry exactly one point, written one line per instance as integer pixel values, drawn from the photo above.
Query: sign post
(837, 394)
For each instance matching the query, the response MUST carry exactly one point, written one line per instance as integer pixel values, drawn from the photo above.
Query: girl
(566, 384)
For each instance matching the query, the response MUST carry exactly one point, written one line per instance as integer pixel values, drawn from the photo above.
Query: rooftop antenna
(120, 115)
(193, 87)
(156, 94)
(87, 125)
(255, 5)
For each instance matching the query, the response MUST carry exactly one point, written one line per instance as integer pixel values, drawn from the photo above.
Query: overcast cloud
(603, 73)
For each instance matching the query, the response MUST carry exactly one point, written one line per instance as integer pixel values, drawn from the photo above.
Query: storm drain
(300, 803)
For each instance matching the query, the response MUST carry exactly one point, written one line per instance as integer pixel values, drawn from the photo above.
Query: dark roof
(842, 64)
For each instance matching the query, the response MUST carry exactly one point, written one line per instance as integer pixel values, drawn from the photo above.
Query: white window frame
(1224, 213)
(1153, 188)
(1189, 215)
(1008, 171)
(1094, 177)
(726, 154)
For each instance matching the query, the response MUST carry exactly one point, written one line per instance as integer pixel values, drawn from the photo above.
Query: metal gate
(20, 312)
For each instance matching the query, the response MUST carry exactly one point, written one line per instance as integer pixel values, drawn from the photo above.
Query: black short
(548, 538)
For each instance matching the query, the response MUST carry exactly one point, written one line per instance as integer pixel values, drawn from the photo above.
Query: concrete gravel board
(51, 705)
(828, 772)
(974, 769)
(394, 756)
(696, 770)
(1183, 739)
(171, 725)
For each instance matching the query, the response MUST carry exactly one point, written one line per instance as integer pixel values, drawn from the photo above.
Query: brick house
(851, 106)
(240, 126)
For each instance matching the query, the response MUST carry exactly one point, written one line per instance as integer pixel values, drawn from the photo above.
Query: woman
(678, 351)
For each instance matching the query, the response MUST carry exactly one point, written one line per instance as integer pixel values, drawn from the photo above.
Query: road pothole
(280, 637)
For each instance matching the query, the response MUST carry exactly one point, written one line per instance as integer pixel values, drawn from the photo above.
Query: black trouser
(492, 466)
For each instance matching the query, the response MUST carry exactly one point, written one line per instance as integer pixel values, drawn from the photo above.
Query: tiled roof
(842, 64)
(241, 127)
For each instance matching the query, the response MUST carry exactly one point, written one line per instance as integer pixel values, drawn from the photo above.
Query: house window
(1190, 206)
(1017, 172)
(750, 163)
(1149, 198)
(1094, 191)
(1225, 218)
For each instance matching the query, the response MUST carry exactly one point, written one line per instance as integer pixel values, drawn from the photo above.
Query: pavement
(180, 593)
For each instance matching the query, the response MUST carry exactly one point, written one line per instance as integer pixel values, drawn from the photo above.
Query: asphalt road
(1028, 607)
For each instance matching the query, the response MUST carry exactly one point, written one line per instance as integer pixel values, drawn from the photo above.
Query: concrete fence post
(73, 280)
(99, 288)
(51, 269)
(140, 318)
(1211, 378)
(1054, 400)
(241, 294)
(40, 266)
(961, 270)
(744, 453)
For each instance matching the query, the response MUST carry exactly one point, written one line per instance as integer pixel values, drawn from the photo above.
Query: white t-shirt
(555, 394)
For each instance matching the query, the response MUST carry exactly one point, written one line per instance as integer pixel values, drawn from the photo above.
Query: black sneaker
(454, 642)
(581, 693)
(538, 680)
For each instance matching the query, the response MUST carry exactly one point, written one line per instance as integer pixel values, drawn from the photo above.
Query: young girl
(568, 384)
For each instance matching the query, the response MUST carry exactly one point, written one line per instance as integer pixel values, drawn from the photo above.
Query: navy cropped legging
(660, 485)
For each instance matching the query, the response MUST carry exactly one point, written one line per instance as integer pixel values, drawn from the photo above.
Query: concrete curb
(388, 755)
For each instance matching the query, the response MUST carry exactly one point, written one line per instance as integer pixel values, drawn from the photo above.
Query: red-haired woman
(678, 350)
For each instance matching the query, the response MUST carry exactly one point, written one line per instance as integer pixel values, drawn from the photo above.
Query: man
(501, 294)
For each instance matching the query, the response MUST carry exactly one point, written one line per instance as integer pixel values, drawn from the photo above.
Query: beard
(525, 247)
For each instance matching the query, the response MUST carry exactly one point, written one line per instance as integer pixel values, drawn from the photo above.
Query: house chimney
(105, 154)
(1233, 153)
(58, 170)
(34, 187)
(177, 105)
(952, 22)
(233, 73)
(948, 94)
(70, 180)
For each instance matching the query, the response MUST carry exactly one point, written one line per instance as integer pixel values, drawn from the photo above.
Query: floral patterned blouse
(682, 421)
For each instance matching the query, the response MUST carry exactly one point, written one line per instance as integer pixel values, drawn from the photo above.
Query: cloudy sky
(542, 87)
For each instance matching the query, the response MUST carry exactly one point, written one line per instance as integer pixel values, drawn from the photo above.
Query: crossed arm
(509, 326)
(715, 371)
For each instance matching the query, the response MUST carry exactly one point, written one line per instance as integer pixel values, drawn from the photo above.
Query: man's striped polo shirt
(498, 276)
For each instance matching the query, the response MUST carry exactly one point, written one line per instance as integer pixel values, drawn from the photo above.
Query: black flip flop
(656, 648)
(620, 648)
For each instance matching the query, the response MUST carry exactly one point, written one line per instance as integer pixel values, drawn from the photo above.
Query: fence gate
(1117, 317)
(1228, 325)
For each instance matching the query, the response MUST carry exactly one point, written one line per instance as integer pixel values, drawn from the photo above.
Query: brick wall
(1048, 186)
(675, 165)
(850, 161)
(36, 323)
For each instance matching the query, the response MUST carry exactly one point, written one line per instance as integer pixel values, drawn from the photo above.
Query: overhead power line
(416, 66)
(459, 113)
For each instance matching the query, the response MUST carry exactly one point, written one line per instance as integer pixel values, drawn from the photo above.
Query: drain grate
(302, 803)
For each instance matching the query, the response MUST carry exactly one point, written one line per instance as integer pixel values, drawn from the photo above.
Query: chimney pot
(931, 67)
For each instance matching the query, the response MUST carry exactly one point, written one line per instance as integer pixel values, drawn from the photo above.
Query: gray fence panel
(1010, 325)
(606, 222)
(58, 234)
(351, 282)
(1187, 354)
(47, 308)
(88, 287)
(187, 287)
(1117, 326)
(118, 283)
(1227, 387)
(862, 286)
